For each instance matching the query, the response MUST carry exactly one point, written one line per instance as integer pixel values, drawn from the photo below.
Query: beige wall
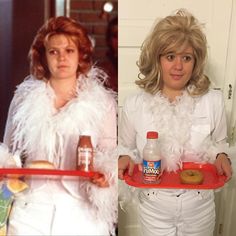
(137, 17)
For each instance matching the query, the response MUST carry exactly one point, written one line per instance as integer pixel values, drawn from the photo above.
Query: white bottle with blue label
(151, 159)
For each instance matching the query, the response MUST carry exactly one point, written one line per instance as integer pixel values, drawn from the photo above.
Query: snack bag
(9, 188)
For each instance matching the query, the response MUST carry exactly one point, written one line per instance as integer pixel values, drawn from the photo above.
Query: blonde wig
(171, 34)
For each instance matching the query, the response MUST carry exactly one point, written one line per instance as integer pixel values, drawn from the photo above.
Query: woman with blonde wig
(176, 101)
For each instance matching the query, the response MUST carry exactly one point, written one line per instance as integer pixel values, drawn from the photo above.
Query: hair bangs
(175, 42)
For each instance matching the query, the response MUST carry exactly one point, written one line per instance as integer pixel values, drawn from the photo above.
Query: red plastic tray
(31, 171)
(172, 180)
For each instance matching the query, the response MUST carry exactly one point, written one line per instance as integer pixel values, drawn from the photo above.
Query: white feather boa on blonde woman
(179, 125)
(36, 128)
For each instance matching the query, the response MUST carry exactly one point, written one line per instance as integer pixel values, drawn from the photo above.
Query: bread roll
(40, 164)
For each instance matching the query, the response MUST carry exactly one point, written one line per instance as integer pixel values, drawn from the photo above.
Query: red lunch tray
(31, 171)
(172, 180)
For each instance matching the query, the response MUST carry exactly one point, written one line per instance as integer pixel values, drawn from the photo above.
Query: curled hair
(59, 26)
(170, 34)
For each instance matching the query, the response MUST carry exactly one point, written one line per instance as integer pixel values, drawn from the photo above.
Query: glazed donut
(191, 177)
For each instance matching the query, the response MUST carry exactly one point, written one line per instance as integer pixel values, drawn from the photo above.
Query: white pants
(170, 213)
(51, 210)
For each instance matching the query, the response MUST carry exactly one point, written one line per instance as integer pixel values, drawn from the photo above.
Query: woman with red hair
(60, 100)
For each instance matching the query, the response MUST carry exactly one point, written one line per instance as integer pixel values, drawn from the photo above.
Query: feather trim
(105, 200)
(42, 132)
(36, 122)
(7, 159)
(174, 135)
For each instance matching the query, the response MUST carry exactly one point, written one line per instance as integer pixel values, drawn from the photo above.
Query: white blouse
(35, 127)
(190, 129)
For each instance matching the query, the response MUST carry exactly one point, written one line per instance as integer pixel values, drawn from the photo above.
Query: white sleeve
(108, 139)
(7, 158)
(219, 133)
(127, 131)
(9, 126)
(105, 200)
(105, 159)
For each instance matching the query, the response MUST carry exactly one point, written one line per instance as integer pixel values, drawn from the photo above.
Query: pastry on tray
(191, 177)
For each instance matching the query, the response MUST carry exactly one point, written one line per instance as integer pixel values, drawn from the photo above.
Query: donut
(191, 177)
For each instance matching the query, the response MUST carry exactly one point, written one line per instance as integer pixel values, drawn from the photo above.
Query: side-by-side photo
(58, 150)
(117, 118)
(176, 123)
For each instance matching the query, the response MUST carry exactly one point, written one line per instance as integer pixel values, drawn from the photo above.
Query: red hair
(59, 26)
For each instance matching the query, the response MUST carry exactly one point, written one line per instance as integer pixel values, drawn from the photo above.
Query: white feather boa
(36, 121)
(42, 132)
(100, 197)
(7, 159)
(173, 122)
(178, 126)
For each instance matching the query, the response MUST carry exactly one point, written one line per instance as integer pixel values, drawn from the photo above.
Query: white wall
(136, 19)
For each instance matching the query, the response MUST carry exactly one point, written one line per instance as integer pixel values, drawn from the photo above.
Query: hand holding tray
(172, 180)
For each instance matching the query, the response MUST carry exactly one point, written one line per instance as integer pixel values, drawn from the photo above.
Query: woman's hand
(125, 163)
(223, 166)
(100, 180)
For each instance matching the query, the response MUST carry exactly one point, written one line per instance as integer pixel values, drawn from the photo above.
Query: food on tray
(3, 230)
(15, 185)
(9, 188)
(171, 180)
(40, 164)
(191, 177)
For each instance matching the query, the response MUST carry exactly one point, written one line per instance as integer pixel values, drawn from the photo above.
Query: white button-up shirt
(193, 128)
